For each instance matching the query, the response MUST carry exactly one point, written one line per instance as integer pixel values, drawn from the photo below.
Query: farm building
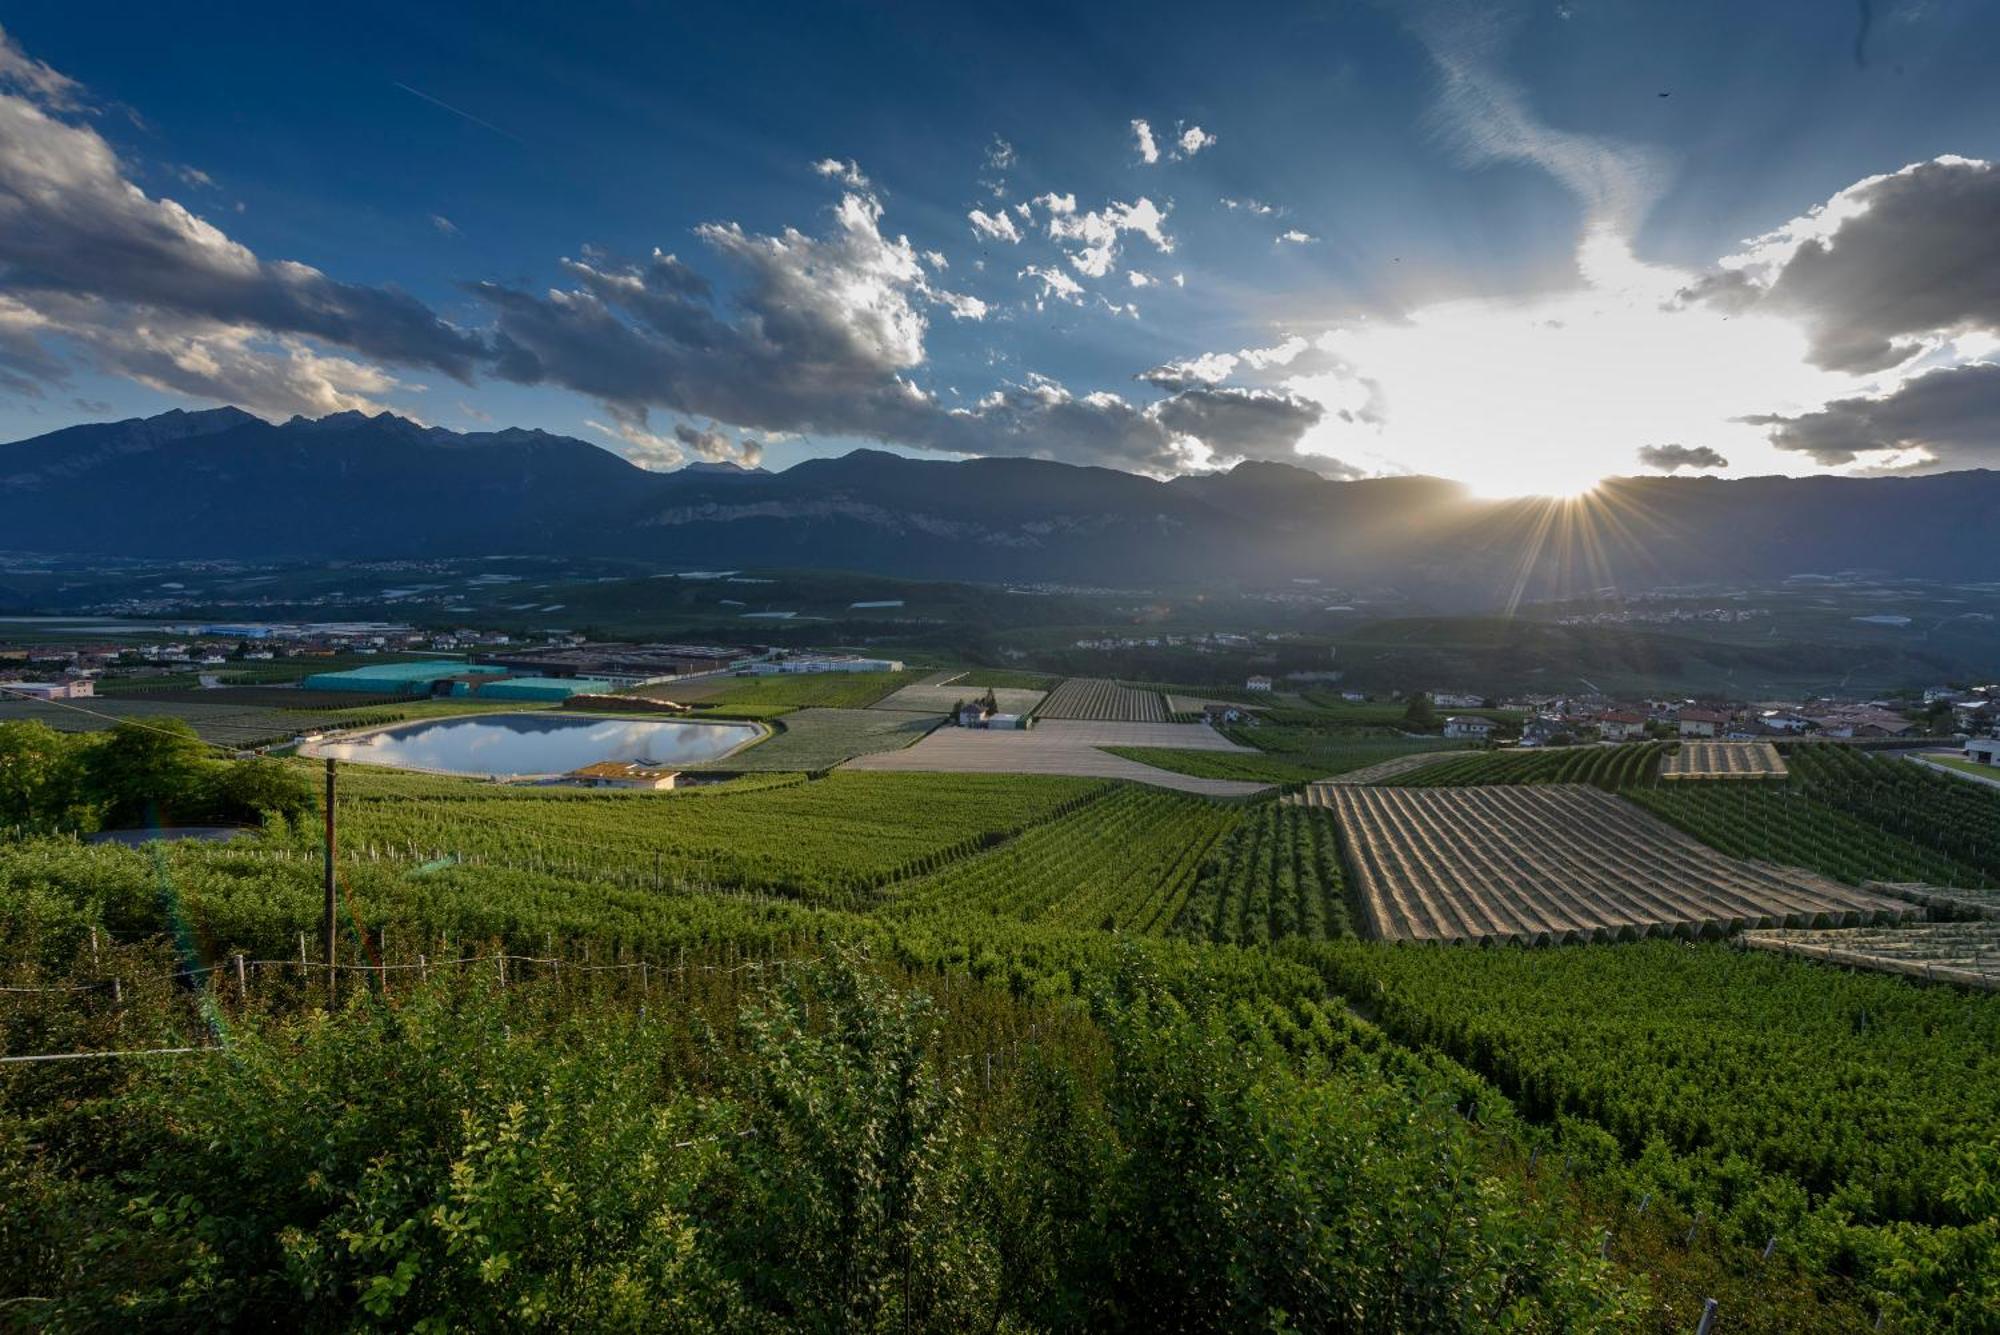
(77, 689)
(1257, 684)
(434, 676)
(1983, 750)
(1220, 712)
(540, 688)
(974, 714)
(1701, 722)
(1468, 725)
(624, 774)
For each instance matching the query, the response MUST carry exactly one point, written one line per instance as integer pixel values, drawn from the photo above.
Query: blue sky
(1470, 240)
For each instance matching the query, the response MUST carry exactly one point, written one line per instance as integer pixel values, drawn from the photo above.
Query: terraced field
(1723, 760)
(1099, 700)
(1564, 863)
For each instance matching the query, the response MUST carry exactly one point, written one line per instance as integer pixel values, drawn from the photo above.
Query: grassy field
(818, 739)
(1255, 766)
(768, 697)
(1964, 766)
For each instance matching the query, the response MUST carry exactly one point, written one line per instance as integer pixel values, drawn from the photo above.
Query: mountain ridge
(224, 483)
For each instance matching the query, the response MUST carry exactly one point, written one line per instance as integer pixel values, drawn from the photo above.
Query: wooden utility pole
(327, 920)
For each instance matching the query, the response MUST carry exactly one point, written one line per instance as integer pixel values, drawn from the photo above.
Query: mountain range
(225, 484)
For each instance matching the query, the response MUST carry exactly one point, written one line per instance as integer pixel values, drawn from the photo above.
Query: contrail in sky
(462, 115)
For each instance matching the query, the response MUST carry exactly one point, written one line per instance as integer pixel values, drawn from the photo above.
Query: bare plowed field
(1061, 746)
(1723, 760)
(1564, 862)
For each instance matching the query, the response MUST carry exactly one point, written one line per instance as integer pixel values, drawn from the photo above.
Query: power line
(113, 718)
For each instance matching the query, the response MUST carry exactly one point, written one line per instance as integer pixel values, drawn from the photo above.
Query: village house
(1544, 730)
(1220, 712)
(1859, 721)
(1976, 716)
(1468, 726)
(1621, 725)
(1983, 750)
(1257, 684)
(1700, 722)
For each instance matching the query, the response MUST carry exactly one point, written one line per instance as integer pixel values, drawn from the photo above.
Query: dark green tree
(157, 769)
(1420, 715)
(251, 789)
(41, 780)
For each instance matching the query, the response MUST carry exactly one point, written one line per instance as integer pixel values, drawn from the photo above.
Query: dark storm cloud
(1667, 458)
(1882, 264)
(1953, 416)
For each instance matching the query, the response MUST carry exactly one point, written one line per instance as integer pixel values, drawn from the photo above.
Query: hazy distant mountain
(226, 484)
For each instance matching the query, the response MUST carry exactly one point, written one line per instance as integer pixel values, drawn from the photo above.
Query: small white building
(74, 688)
(1002, 722)
(1983, 751)
(624, 774)
(1468, 725)
(1257, 684)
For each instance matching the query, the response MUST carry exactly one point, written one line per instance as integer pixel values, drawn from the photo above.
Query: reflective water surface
(510, 745)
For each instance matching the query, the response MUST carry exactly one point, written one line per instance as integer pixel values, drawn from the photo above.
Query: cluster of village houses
(1550, 720)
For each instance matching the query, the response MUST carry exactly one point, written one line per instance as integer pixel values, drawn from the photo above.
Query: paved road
(1064, 746)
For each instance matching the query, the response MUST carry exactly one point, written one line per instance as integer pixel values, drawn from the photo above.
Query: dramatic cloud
(1945, 419)
(1149, 152)
(1670, 458)
(150, 290)
(999, 226)
(825, 337)
(1238, 424)
(1880, 271)
(1194, 139)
